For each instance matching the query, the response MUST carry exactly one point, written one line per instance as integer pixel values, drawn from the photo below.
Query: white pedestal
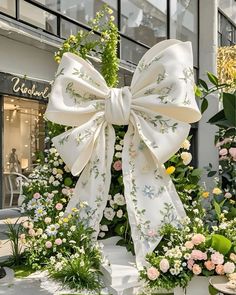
(198, 286)
(120, 273)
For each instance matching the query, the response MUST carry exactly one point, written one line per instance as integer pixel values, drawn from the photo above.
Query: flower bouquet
(191, 250)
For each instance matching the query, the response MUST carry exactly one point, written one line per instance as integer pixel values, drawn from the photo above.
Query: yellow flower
(112, 18)
(217, 191)
(65, 220)
(60, 222)
(170, 170)
(69, 216)
(74, 209)
(72, 38)
(205, 195)
(232, 201)
(57, 59)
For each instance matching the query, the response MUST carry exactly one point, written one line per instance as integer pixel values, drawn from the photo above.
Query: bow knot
(117, 106)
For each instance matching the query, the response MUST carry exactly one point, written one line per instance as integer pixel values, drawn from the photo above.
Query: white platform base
(198, 286)
(119, 272)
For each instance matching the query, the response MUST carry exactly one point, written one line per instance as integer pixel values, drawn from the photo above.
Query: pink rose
(32, 232)
(220, 269)
(209, 265)
(164, 265)
(190, 263)
(58, 242)
(229, 267)
(198, 255)
(217, 258)
(48, 245)
(37, 196)
(189, 245)
(198, 239)
(223, 152)
(196, 269)
(117, 165)
(59, 206)
(232, 152)
(152, 273)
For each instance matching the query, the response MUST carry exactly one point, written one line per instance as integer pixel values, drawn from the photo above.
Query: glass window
(184, 23)
(23, 135)
(144, 21)
(80, 10)
(131, 52)
(8, 7)
(38, 17)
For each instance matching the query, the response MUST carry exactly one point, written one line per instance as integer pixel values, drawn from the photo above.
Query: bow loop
(117, 106)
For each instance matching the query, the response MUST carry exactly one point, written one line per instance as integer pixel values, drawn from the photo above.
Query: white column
(207, 152)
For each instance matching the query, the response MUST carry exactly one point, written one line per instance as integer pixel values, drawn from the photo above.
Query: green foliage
(220, 244)
(103, 38)
(13, 235)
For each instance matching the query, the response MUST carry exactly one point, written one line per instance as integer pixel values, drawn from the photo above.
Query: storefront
(23, 104)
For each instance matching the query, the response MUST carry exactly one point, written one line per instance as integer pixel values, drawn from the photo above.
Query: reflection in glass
(38, 17)
(131, 52)
(81, 10)
(8, 7)
(24, 132)
(144, 21)
(184, 23)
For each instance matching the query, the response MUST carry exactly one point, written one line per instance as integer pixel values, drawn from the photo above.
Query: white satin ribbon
(157, 107)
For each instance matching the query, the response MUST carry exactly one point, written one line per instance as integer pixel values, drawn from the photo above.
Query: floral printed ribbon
(157, 107)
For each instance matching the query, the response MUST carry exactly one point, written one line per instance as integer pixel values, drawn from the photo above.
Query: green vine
(85, 43)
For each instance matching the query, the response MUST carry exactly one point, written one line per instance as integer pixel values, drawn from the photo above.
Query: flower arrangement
(191, 249)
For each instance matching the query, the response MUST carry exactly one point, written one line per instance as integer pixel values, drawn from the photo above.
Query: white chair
(14, 184)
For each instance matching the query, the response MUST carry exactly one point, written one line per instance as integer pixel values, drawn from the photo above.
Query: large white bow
(157, 107)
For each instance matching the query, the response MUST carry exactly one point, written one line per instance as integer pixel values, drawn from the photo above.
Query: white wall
(207, 152)
(23, 59)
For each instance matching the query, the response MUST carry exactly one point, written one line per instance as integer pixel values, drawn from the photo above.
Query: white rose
(229, 267)
(54, 171)
(118, 155)
(51, 179)
(104, 227)
(101, 234)
(109, 213)
(186, 145)
(112, 203)
(186, 157)
(119, 199)
(56, 183)
(119, 213)
(118, 147)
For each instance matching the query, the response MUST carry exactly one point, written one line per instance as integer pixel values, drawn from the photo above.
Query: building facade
(31, 31)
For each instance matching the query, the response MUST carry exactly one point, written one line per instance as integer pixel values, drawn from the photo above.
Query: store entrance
(23, 138)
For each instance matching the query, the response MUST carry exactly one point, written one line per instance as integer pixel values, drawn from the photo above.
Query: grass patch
(22, 271)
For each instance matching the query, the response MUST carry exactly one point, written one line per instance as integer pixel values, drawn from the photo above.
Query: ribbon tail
(150, 195)
(93, 185)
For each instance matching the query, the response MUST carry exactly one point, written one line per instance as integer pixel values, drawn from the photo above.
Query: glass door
(23, 138)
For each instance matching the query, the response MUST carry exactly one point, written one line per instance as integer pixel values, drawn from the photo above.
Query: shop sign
(15, 85)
